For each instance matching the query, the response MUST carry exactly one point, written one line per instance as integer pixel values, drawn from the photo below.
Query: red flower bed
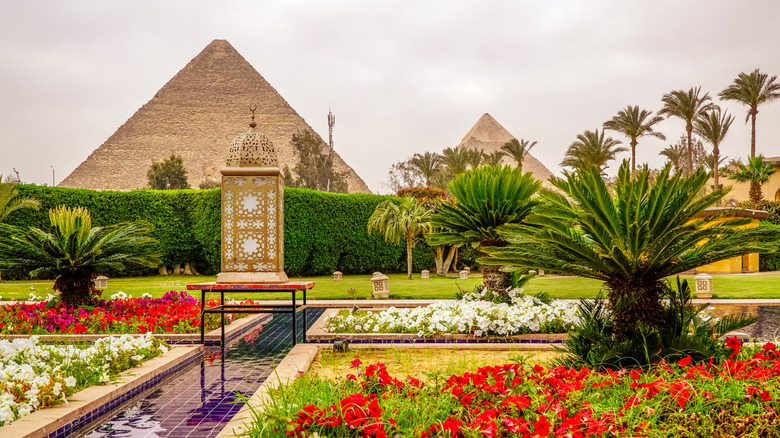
(175, 312)
(739, 397)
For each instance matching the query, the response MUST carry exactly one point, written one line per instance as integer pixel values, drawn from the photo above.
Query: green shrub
(323, 232)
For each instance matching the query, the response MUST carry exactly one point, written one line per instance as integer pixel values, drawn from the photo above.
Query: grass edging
(47, 421)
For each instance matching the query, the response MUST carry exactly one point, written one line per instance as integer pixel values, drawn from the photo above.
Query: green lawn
(763, 285)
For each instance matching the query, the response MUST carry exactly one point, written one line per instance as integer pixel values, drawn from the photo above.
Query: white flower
(70, 381)
(146, 295)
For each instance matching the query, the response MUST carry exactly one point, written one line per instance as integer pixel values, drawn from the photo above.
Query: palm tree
(592, 149)
(757, 173)
(675, 155)
(632, 241)
(634, 123)
(75, 251)
(713, 127)
(486, 198)
(474, 157)
(396, 219)
(428, 164)
(455, 160)
(518, 150)
(10, 202)
(709, 162)
(493, 159)
(752, 90)
(688, 106)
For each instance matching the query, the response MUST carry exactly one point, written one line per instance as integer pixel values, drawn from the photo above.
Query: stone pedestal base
(252, 277)
(381, 295)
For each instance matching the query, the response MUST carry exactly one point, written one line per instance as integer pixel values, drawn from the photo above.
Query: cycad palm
(634, 123)
(10, 201)
(592, 149)
(713, 127)
(518, 150)
(688, 106)
(428, 164)
(486, 198)
(757, 173)
(631, 241)
(75, 251)
(752, 90)
(405, 219)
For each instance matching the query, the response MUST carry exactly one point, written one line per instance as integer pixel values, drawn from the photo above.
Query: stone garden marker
(704, 287)
(101, 282)
(425, 275)
(337, 276)
(381, 285)
(464, 275)
(252, 212)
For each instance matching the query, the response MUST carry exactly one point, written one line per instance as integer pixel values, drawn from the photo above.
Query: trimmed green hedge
(323, 232)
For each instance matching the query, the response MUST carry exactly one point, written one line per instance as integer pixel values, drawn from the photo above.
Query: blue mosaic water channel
(200, 400)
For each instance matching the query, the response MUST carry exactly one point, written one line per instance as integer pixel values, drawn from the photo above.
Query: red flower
(734, 344)
(355, 363)
(685, 361)
(542, 427)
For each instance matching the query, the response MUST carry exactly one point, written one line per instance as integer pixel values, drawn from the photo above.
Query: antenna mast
(331, 124)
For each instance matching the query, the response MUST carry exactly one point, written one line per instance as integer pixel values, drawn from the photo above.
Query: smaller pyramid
(488, 135)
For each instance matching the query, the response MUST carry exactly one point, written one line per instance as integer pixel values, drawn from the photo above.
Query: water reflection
(133, 422)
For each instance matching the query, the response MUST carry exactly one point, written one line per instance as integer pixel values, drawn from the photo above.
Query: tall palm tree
(75, 251)
(486, 198)
(405, 219)
(428, 164)
(757, 173)
(474, 157)
(634, 123)
(455, 160)
(10, 201)
(752, 90)
(713, 127)
(632, 241)
(518, 150)
(688, 106)
(493, 159)
(592, 149)
(675, 155)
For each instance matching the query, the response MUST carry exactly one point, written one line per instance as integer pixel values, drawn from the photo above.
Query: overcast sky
(400, 76)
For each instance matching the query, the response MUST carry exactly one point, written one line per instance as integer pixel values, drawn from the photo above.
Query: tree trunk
(633, 156)
(753, 132)
(187, 269)
(438, 252)
(495, 280)
(75, 288)
(455, 262)
(632, 303)
(716, 154)
(450, 257)
(162, 270)
(756, 194)
(409, 241)
(689, 128)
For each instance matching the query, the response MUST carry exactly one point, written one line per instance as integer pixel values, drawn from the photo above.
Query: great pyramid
(196, 115)
(488, 135)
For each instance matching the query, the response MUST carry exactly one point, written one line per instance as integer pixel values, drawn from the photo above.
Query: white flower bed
(526, 314)
(35, 375)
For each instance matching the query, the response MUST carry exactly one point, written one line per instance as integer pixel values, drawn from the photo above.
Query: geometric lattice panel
(252, 229)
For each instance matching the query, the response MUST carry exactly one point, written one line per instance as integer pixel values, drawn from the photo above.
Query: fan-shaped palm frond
(592, 149)
(688, 106)
(396, 220)
(634, 123)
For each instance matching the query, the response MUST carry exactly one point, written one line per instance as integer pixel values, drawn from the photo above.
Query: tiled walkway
(197, 402)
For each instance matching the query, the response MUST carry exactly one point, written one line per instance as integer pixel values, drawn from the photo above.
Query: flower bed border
(89, 404)
(318, 333)
(232, 331)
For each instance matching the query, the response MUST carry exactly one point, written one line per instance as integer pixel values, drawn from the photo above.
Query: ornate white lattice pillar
(252, 212)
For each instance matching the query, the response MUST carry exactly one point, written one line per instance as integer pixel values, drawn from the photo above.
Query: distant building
(196, 115)
(739, 191)
(488, 135)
